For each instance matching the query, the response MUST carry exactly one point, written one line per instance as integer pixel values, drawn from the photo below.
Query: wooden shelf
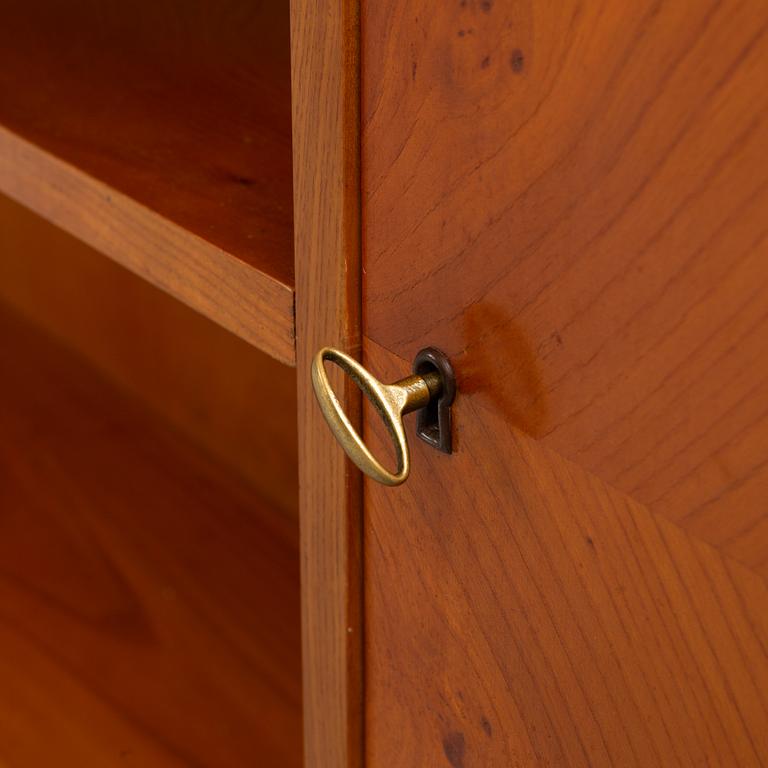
(160, 133)
(149, 600)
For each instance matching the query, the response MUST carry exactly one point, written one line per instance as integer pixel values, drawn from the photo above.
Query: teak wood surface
(325, 71)
(571, 200)
(522, 612)
(149, 598)
(160, 133)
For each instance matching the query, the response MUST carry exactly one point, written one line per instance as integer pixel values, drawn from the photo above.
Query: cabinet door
(571, 200)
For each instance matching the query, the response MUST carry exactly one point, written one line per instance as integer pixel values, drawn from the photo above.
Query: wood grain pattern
(325, 71)
(521, 612)
(160, 134)
(229, 398)
(149, 600)
(572, 201)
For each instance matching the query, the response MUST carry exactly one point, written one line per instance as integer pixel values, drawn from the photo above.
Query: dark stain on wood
(502, 367)
(517, 60)
(454, 748)
(243, 181)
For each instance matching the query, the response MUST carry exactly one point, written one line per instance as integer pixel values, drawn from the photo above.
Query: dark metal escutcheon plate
(433, 423)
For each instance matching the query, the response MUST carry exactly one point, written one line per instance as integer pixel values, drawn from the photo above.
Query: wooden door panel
(571, 200)
(519, 611)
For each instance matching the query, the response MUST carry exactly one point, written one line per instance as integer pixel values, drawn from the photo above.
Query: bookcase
(562, 204)
(149, 491)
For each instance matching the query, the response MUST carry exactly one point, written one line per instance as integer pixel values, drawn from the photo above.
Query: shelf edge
(249, 303)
